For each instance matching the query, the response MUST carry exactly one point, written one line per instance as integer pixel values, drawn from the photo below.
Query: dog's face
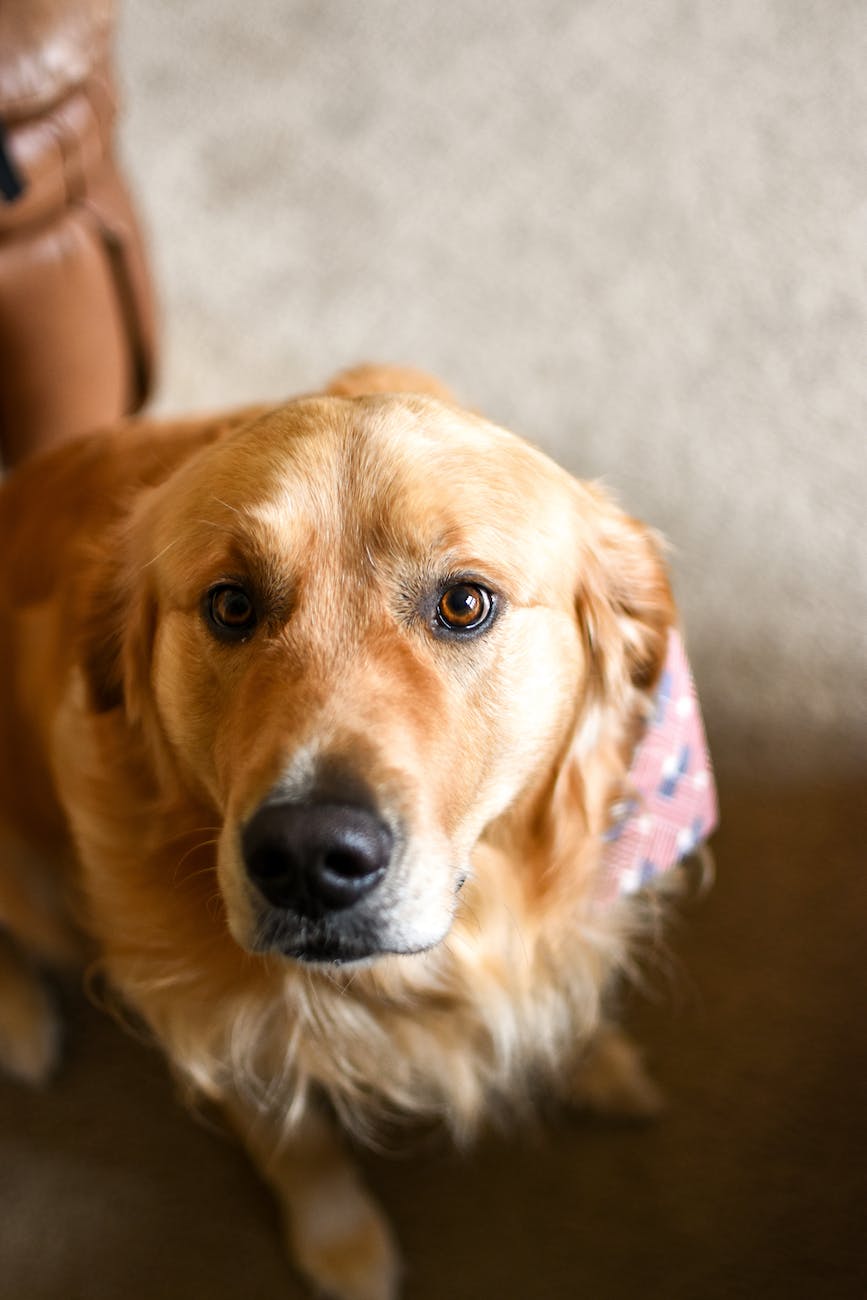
(366, 630)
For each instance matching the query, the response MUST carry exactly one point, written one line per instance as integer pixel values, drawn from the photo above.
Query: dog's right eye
(230, 611)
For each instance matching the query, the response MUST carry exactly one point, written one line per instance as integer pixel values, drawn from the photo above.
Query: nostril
(345, 863)
(268, 862)
(351, 861)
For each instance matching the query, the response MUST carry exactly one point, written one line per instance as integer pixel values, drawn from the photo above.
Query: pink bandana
(669, 806)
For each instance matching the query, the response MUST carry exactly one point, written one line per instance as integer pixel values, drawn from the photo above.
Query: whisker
(192, 875)
(518, 931)
(353, 976)
(234, 509)
(159, 554)
(212, 910)
(234, 533)
(193, 830)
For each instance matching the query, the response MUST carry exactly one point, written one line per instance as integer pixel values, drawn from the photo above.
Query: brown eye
(230, 610)
(464, 607)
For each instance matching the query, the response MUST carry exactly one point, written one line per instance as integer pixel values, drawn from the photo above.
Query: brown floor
(753, 1184)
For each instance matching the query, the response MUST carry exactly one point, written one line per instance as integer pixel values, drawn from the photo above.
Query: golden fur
(133, 747)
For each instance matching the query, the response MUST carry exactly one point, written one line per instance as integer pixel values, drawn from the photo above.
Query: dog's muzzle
(314, 859)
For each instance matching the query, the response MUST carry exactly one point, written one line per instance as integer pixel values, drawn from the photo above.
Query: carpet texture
(637, 234)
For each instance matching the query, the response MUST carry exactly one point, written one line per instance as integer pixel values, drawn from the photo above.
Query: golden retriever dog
(312, 723)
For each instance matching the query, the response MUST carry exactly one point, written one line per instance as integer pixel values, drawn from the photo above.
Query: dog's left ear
(116, 622)
(624, 602)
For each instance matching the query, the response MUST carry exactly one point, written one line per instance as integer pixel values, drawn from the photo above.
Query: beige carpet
(636, 233)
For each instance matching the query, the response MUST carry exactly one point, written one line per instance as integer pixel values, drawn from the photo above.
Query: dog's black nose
(315, 857)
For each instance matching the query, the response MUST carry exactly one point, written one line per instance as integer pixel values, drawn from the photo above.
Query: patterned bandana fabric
(670, 803)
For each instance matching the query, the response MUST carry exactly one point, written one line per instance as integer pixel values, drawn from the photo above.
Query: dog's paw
(342, 1241)
(610, 1079)
(29, 1024)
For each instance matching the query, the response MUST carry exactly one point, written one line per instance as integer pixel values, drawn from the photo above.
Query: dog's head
(369, 633)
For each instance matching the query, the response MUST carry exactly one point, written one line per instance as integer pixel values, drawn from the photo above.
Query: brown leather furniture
(76, 315)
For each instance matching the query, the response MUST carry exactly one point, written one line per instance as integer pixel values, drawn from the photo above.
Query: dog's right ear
(115, 616)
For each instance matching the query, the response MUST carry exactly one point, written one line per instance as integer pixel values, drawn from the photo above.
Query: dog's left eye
(230, 610)
(465, 607)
